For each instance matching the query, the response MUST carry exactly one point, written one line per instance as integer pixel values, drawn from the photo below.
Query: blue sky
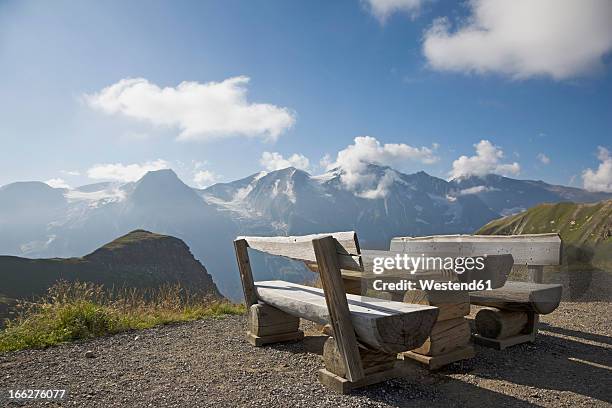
(322, 72)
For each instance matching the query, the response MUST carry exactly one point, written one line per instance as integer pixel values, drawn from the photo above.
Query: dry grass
(73, 311)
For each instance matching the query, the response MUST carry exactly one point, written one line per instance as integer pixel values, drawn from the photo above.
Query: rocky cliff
(140, 259)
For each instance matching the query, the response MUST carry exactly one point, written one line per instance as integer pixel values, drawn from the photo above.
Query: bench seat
(521, 297)
(383, 325)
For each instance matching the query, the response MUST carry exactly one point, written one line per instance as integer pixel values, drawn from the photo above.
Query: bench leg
(258, 341)
(269, 325)
(438, 361)
(449, 340)
(527, 335)
(377, 367)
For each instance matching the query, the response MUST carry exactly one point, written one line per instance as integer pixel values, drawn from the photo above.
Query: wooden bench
(367, 332)
(512, 311)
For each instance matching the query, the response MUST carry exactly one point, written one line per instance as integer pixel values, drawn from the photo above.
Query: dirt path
(208, 363)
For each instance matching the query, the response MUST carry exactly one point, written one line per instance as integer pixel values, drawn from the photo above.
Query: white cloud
(200, 111)
(600, 179)
(275, 161)
(486, 161)
(71, 172)
(125, 172)
(544, 159)
(354, 159)
(57, 183)
(383, 9)
(204, 178)
(382, 188)
(325, 161)
(524, 38)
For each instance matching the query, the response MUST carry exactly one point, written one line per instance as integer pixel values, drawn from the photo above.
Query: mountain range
(39, 221)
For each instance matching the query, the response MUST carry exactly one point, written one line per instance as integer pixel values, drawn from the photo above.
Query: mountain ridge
(139, 259)
(586, 230)
(383, 203)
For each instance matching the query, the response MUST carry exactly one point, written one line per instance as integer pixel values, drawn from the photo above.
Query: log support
(449, 340)
(269, 325)
(500, 337)
(377, 367)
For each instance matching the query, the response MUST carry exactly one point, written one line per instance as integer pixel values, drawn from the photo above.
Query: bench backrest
(300, 248)
(532, 249)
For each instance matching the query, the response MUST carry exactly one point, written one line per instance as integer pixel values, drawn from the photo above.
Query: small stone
(136, 338)
(90, 354)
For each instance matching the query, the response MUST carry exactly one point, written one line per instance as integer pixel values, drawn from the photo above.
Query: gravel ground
(209, 363)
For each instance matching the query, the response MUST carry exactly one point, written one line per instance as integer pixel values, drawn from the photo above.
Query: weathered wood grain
(372, 361)
(300, 248)
(439, 361)
(337, 306)
(452, 304)
(528, 249)
(246, 275)
(265, 320)
(380, 324)
(521, 296)
(499, 324)
(445, 337)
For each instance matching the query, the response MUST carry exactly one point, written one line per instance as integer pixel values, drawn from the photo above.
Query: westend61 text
(428, 284)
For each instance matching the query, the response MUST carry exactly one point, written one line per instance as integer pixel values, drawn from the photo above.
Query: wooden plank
(300, 248)
(445, 337)
(501, 344)
(528, 249)
(337, 305)
(261, 315)
(344, 386)
(263, 331)
(380, 324)
(265, 320)
(452, 304)
(520, 296)
(259, 341)
(372, 361)
(496, 269)
(246, 275)
(436, 362)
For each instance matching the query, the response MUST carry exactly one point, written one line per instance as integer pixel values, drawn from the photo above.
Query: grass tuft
(74, 311)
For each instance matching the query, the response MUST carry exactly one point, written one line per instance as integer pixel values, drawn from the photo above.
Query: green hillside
(586, 230)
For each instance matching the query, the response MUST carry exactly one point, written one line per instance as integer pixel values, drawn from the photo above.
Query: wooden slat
(521, 296)
(529, 249)
(246, 275)
(337, 304)
(300, 248)
(379, 324)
